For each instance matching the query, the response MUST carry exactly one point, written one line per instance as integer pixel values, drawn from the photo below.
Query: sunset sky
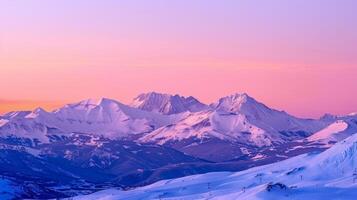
(299, 56)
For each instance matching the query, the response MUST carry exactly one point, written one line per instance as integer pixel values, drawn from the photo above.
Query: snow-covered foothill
(328, 175)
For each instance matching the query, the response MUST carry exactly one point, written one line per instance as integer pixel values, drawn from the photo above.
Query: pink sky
(292, 55)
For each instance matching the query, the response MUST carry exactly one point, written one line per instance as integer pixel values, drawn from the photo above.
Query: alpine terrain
(95, 145)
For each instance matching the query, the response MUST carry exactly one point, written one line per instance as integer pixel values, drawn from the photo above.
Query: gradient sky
(296, 55)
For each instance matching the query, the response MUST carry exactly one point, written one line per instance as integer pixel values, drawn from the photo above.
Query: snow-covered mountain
(167, 104)
(328, 175)
(235, 118)
(104, 117)
(233, 128)
(236, 125)
(104, 142)
(266, 118)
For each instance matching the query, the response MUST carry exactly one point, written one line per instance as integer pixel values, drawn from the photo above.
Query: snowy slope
(104, 117)
(264, 117)
(328, 175)
(210, 123)
(340, 127)
(331, 132)
(15, 114)
(166, 103)
(233, 118)
(235, 126)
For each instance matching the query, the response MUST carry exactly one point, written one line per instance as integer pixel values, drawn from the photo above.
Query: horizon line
(51, 105)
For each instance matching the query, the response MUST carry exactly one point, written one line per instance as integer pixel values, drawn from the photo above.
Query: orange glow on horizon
(13, 105)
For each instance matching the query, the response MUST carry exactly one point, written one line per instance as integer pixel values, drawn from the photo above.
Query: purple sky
(299, 56)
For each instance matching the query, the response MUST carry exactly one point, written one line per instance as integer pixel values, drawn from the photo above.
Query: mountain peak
(235, 102)
(153, 93)
(102, 109)
(92, 103)
(37, 112)
(99, 101)
(166, 103)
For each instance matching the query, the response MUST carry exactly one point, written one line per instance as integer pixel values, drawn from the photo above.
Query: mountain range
(97, 144)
